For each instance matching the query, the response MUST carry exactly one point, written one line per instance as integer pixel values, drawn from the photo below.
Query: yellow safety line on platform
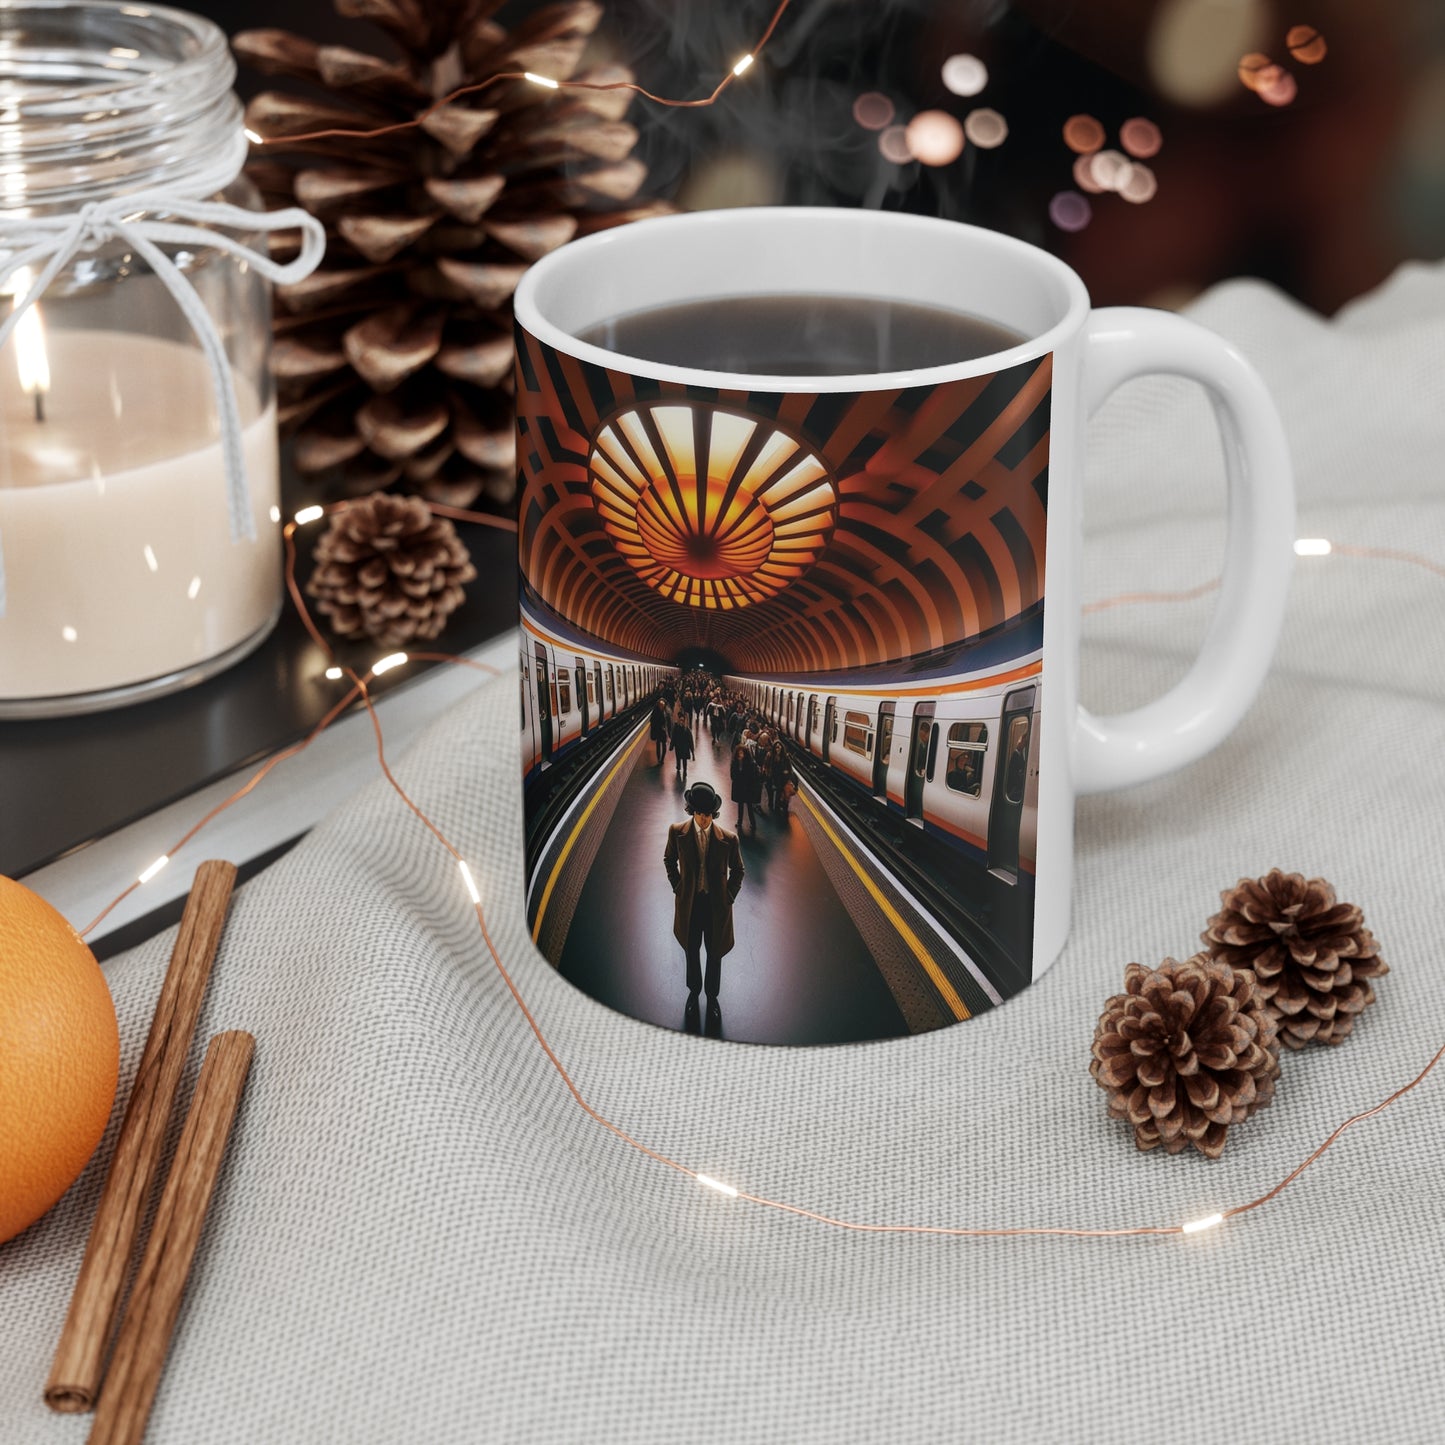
(572, 836)
(940, 982)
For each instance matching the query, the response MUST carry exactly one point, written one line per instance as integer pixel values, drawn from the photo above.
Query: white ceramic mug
(917, 656)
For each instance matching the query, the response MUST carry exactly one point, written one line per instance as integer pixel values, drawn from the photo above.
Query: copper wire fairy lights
(359, 689)
(740, 67)
(1070, 210)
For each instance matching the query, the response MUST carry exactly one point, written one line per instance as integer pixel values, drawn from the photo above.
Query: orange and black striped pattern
(935, 513)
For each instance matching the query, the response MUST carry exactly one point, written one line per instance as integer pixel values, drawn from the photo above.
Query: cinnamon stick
(79, 1362)
(155, 1298)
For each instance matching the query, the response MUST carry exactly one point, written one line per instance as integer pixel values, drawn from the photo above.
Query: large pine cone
(394, 359)
(1312, 956)
(388, 570)
(1185, 1051)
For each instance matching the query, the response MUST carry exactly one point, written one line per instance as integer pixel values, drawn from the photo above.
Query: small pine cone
(389, 570)
(1313, 957)
(1185, 1051)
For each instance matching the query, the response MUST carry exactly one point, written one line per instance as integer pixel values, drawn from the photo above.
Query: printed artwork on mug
(780, 695)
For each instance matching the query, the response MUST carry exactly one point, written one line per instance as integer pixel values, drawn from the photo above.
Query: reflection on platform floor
(800, 972)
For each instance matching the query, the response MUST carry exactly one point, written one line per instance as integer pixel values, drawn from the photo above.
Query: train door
(544, 703)
(597, 678)
(919, 750)
(830, 722)
(1010, 780)
(882, 747)
(530, 742)
(612, 689)
(583, 694)
(812, 720)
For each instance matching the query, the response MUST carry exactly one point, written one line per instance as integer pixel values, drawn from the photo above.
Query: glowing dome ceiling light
(712, 508)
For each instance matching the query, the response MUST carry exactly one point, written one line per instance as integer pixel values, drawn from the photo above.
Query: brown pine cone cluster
(387, 569)
(1187, 1050)
(1313, 957)
(394, 359)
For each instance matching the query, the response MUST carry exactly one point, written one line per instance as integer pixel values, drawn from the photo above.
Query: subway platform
(830, 948)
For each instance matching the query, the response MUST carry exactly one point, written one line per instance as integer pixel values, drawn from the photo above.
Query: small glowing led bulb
(154, 868)
(709, 1182)
(1208, 1222)
(469, 880)
(742, 64)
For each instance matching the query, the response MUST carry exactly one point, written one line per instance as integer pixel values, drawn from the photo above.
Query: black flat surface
(67, 781)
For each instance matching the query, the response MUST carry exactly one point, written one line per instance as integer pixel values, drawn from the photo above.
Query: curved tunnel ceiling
(793, 533)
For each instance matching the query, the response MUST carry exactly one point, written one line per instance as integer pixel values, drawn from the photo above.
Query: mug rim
(528, 310)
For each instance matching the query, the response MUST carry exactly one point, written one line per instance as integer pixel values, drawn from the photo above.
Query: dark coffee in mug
(802, 335)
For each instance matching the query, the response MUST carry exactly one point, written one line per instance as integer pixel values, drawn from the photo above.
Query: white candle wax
(114, 523)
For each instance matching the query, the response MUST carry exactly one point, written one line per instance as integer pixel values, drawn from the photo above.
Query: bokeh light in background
(1139, 185)
(735, 178)
(1252, 66)
(964, 74)
(1070, 211)
(1084, 175)
(1306, 44)
(985, 128)
(1323, 195)
(934, 137)
(1109, 169)
(1276, 86)
(893, 142)
(1084, 134)
(1141, 138)
(1194, 46)
(872, 110)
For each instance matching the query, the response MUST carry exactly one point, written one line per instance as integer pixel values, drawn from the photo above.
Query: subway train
(955, 757)
(569, 690)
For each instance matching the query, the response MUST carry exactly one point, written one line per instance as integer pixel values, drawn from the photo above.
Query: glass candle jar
(131, 568)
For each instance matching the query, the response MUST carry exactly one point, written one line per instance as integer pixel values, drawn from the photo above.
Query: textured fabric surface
(419, 1237)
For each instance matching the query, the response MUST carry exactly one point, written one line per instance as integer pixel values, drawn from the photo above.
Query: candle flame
(30, 355)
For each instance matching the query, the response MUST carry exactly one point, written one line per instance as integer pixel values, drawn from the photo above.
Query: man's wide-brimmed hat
(703, 798)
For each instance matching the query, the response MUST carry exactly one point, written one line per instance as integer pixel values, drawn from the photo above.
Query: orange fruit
(59, 1056)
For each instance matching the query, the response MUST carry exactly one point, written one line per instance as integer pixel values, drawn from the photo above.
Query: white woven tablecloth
(418, 1236)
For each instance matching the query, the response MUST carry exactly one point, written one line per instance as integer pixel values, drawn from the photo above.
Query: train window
(1016, 754)
(524, 689)
(609, 682)
(922, 736)
(564, 694)
(967, 743)
(858, 733)
(591, 689)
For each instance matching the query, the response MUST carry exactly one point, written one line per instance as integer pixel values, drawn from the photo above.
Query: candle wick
(39, 404)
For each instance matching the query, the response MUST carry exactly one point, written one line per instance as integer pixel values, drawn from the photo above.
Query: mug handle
(1123, 342)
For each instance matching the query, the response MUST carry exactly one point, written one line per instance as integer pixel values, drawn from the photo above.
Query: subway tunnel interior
(786, 534)
(866, 569)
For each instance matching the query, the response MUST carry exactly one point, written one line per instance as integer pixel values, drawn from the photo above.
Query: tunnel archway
(923, 515)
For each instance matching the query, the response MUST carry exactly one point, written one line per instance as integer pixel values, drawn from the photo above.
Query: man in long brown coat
(705, 867)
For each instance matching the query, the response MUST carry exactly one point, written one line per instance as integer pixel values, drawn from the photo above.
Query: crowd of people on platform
(759, 765)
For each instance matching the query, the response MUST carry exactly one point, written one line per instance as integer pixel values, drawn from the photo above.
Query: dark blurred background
(1320, 170)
